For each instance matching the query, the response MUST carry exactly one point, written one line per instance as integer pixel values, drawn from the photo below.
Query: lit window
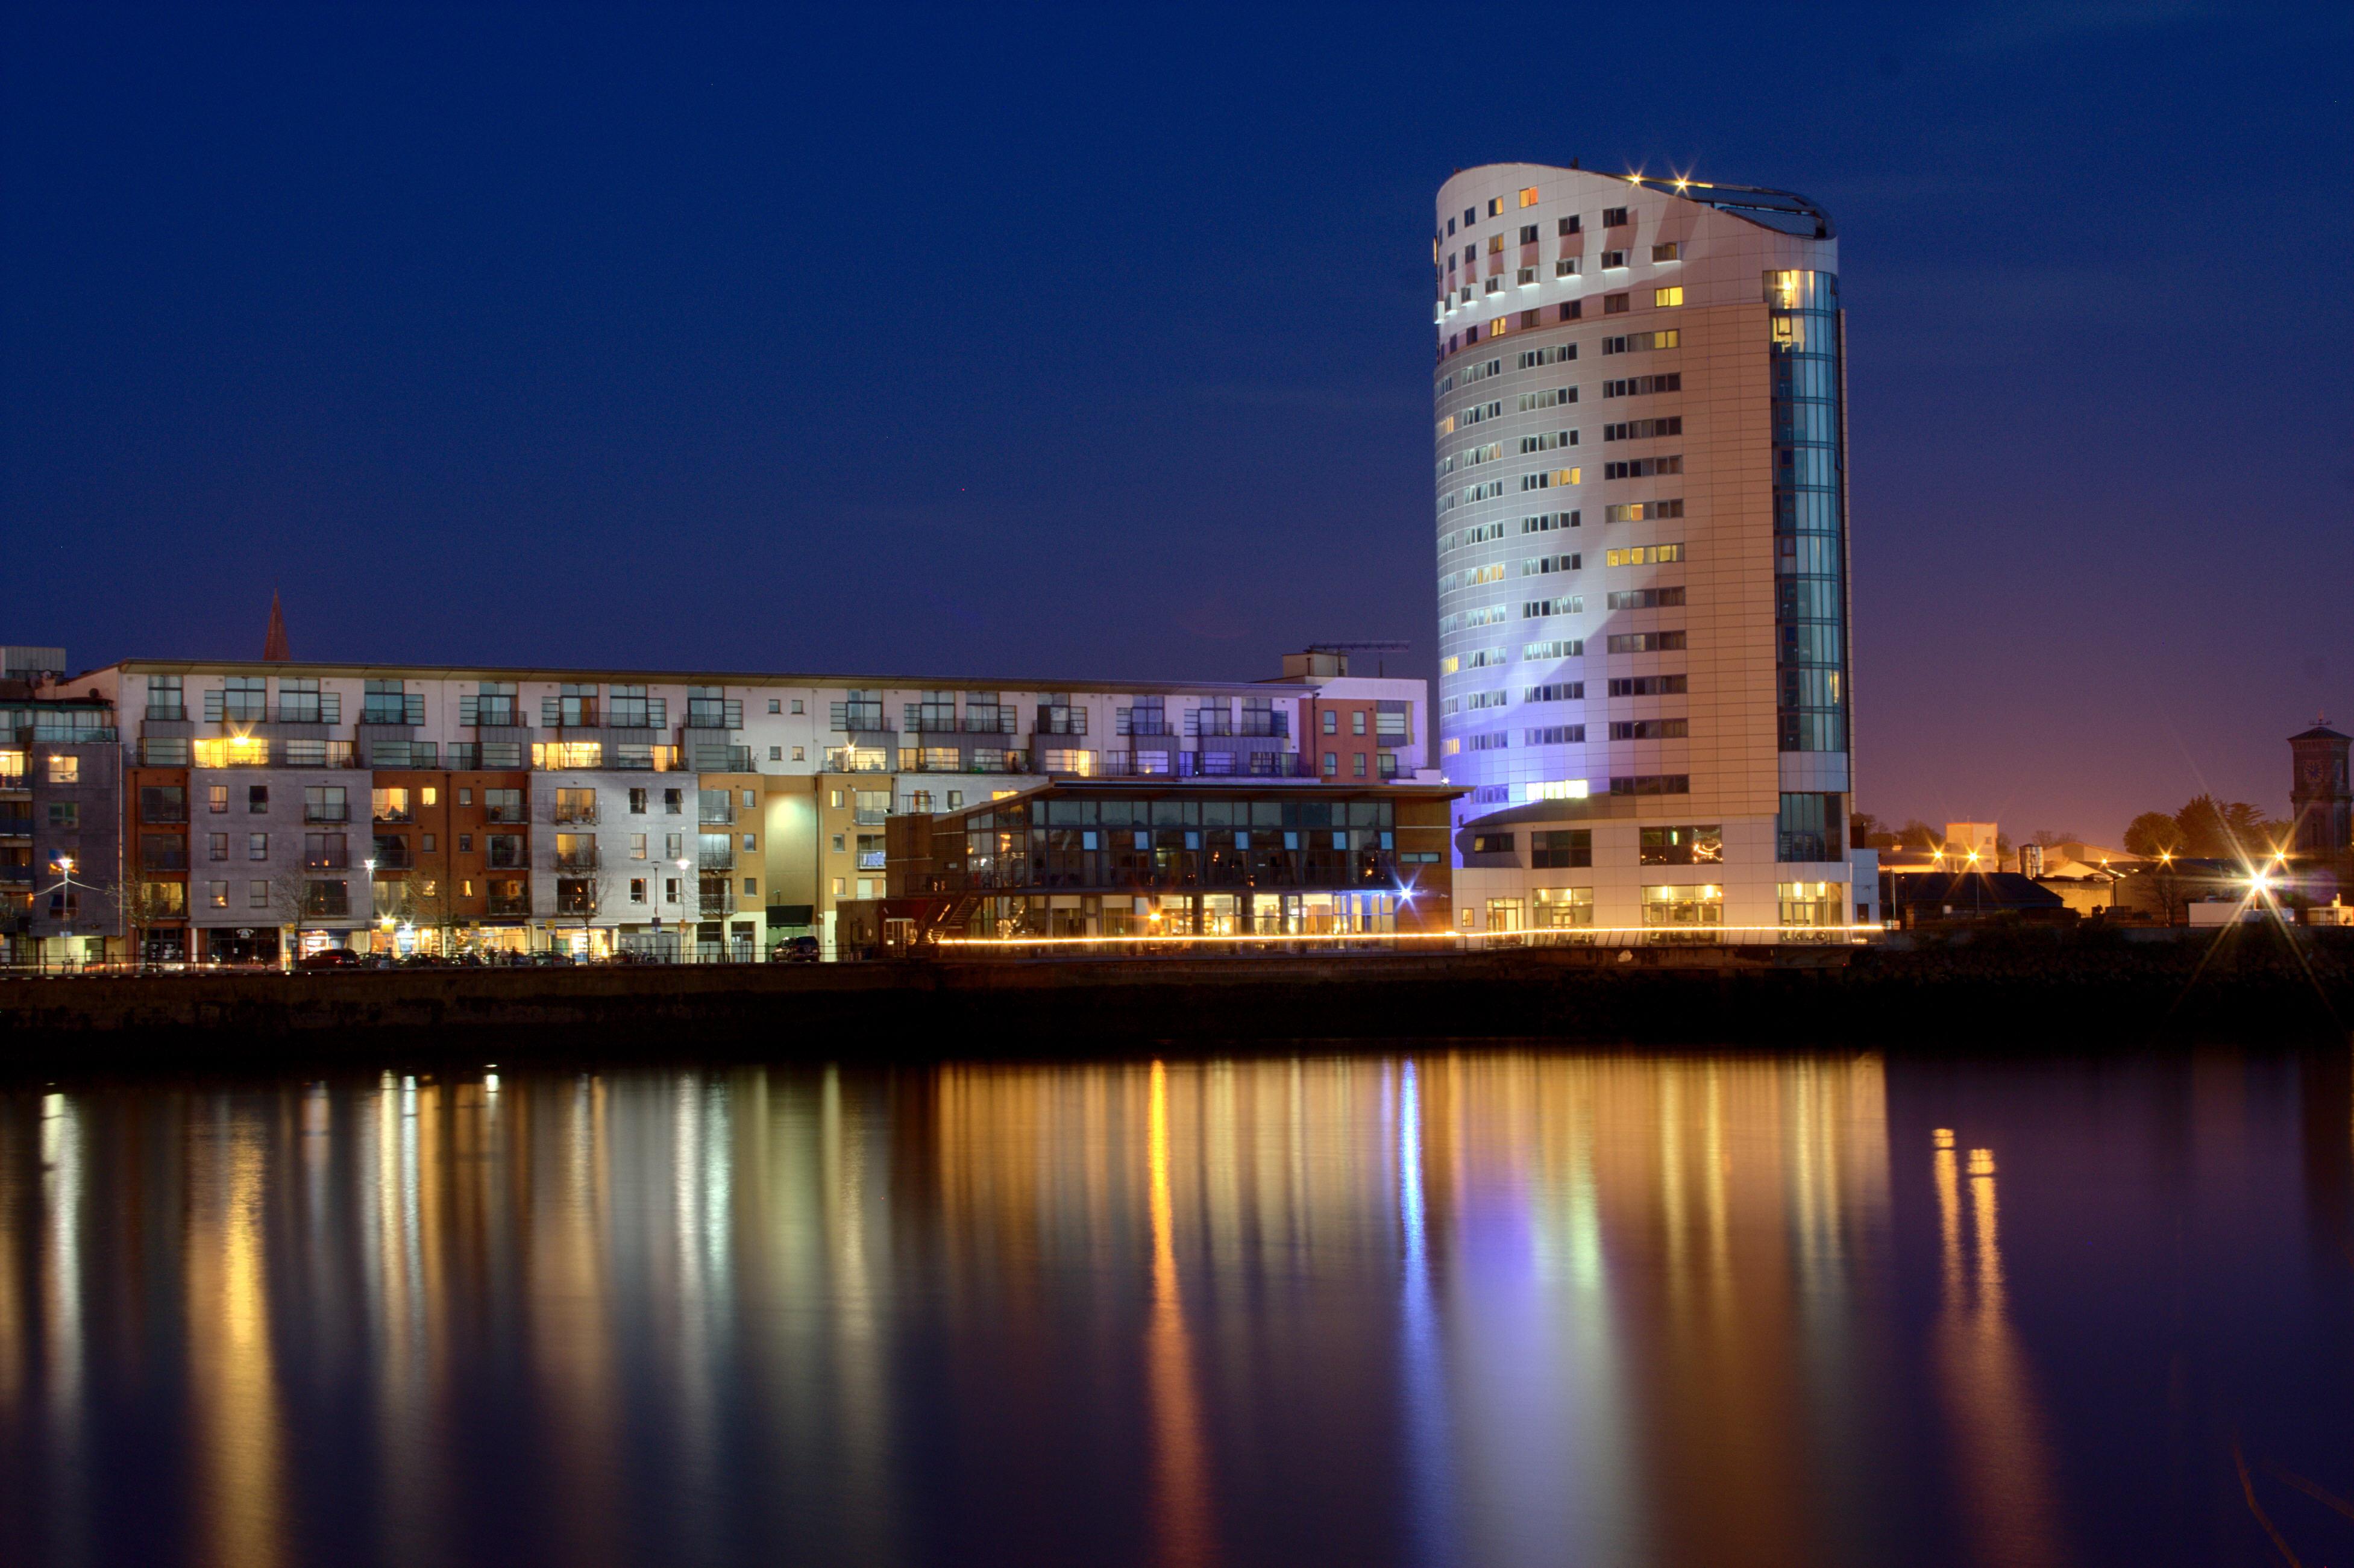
(1495, 244)
(1666, 297)
(1495, 205)
(1529, 196)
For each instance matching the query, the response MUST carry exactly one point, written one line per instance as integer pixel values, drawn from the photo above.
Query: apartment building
(1641, 553)
(600, 810)
(62, 786)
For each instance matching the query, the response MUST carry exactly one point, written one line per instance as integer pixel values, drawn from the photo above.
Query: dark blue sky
(1098, 342)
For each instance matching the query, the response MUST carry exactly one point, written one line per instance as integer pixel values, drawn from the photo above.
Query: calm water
(1422, 1307)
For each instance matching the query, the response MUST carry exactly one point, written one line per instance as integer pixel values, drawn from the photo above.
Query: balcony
(167, 713)
(716, 896)
(68, 734)
(505, 904)
(1214, 722)
(392, 854)
(914, 759)
(509, 813)
(160, 857)
(575, 862)
(328, 813)
(14, 826)
(399, 815)
(1143, 724)
(569, 816)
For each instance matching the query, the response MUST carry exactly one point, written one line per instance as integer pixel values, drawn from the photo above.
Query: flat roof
(1279, 685)
(1159, 785)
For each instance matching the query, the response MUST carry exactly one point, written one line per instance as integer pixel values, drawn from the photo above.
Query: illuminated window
(217, 797)
(1529, 196)
(429, 795)
(563, 754)
(64, 770)
(1702, 904)
(235, 751)
(1495, 244)
(1495, 205)
(1559, 906)
(1668, 298)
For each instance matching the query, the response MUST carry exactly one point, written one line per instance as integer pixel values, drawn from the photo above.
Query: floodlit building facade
(1641, 561)
(276, 805)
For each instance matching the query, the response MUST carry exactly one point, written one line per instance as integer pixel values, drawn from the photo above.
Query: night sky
(1098, 343)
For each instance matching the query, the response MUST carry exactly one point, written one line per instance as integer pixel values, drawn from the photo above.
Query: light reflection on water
(1481, 1307)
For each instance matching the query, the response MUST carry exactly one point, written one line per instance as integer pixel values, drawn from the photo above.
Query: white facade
(1640, 527)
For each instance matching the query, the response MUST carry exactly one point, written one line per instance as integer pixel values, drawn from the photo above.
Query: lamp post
(683, 863)
(370, 865)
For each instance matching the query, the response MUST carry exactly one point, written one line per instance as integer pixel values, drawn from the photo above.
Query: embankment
(2026, 992)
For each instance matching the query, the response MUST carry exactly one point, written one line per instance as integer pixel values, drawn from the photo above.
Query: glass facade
(1809, 511)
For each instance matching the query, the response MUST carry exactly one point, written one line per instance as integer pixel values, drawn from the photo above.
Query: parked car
(794, 950)
(329, 958)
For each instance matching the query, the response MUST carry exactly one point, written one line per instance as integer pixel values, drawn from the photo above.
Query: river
(1408, 1305)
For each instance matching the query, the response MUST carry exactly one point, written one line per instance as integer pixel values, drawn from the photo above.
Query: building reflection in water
(2003, 1465)
(1491, 1307)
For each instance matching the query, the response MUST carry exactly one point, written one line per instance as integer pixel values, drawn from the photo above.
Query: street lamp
(683, 863)
(370, 865)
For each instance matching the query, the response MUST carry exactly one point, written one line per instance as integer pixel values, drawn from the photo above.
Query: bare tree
(583, 887)
(425, 901)
(142, 906)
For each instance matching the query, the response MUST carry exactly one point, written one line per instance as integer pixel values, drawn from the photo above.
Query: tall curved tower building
(1641, 531)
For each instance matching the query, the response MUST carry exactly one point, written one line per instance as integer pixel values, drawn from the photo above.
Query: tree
(2227, 830)
(143, 905)
(290, 900)
(1916, 834)
(583, 887)
(2154, 833)
(422, 901)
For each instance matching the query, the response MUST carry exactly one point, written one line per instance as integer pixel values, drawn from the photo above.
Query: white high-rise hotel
(1641, 552)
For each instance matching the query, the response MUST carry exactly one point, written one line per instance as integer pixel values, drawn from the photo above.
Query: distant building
(2320, 793)
(1971, 896)
(1983, 840)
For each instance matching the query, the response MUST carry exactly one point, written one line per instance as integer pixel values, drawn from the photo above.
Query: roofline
(1739, 200)
(1195, 788)
(720, 677)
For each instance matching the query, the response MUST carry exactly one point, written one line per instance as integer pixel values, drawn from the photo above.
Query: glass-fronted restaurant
(1111, 859)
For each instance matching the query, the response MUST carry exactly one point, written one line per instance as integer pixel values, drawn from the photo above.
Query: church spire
(273, 643)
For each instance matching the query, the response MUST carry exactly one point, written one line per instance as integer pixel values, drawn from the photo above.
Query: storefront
(242, 945)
